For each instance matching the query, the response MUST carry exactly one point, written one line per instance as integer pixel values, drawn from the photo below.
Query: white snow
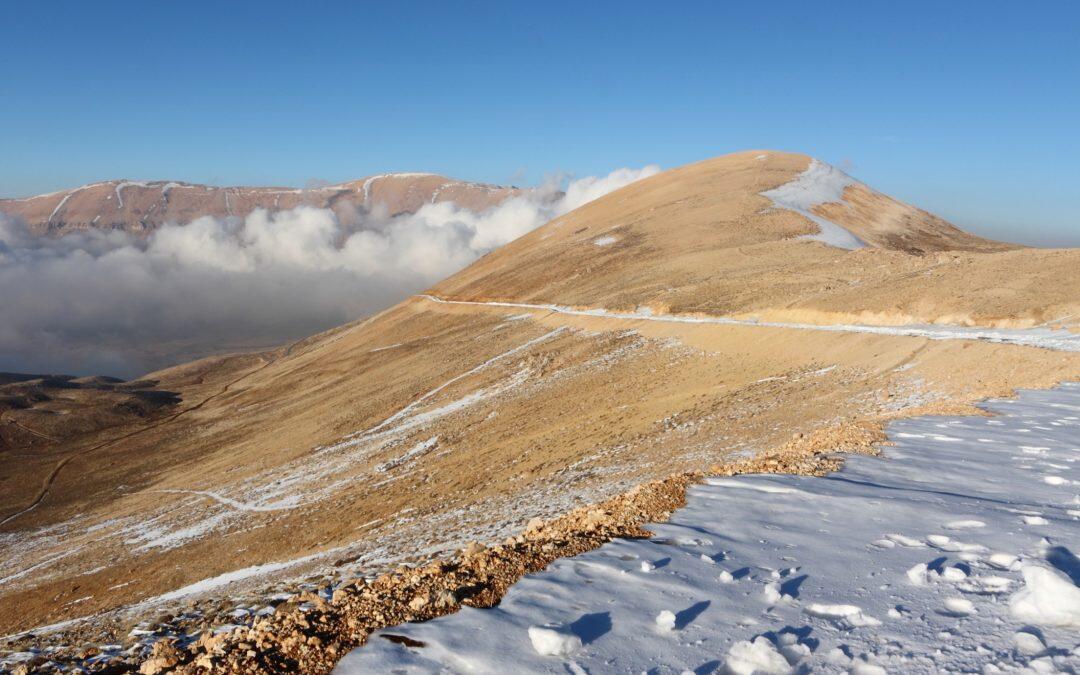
(959, 606)
(166, 188)
(819, 184)
(1048, 598)
(236, 504)
(60, 205)
(366, 187)
(1028, 643)
(553, 640)
(845, 615)
(166, 538)
(665, 620)
(67, 195)
(228, 578)
(606, 240)
(517, 317)
(964, 524)
(123, 184)
(1060, 340)
(382, 349)
(421, 448)
(848, 602)
(1002, 561)
(759, 656)
(407, 410)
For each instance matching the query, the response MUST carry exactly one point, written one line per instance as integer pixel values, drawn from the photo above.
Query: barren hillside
(707, 313)
(141, 206)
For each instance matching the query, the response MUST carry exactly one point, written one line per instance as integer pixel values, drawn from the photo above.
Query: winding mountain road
(1044, 338)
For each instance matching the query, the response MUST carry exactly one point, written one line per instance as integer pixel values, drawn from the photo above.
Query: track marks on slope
(50, 479)
(1056, 340)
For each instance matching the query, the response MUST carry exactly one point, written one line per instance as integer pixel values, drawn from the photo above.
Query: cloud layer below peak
(102, 302)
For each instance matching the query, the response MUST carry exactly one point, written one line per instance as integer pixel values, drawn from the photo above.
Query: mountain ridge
(397, 439)
(140, 207)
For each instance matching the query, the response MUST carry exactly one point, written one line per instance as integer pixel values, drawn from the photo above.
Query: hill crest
(140, 207)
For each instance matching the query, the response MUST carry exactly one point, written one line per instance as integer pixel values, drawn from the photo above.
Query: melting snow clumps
(760, 656)
(665, 620)
(553, 640)
(845, 615)
(1048, 598)
(1028, 643)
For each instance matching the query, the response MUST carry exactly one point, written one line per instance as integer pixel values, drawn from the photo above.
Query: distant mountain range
(139, 207)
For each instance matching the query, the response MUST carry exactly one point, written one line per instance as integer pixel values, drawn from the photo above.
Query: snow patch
(553, 640)
(757, 657)
(805, 580)
(819, 184)
(1048, 598)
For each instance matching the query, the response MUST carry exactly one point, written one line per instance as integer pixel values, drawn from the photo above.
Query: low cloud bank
(109, 303)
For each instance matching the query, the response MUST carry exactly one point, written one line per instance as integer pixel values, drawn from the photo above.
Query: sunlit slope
(140, 207)
(405, 435)
(703, 238)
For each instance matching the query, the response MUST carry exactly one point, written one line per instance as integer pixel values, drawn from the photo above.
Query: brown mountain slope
(139, 206)
(702, 238)
(403, 436)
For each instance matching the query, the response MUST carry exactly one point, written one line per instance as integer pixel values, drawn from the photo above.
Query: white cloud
(106, 302)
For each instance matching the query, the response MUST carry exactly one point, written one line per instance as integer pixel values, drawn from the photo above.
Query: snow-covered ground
(952, 553)
(819, 184)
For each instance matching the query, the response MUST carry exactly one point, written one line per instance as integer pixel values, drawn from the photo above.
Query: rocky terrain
(947, 552)
(758, 311)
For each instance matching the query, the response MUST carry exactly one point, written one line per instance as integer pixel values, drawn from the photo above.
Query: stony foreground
(949, 554)
(312, 630)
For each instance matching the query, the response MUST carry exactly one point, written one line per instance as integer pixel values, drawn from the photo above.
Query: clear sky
(969, 109)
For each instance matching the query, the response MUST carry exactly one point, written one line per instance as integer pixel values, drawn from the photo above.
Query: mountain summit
(771, 235)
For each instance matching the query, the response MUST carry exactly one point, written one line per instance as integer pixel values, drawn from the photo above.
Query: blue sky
(969, 109)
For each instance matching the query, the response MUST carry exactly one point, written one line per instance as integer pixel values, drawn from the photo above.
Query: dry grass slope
(398, 439)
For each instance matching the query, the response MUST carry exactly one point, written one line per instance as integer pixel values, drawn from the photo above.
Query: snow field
(918, 562)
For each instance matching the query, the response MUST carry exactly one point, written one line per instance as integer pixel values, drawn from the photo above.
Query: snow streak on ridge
(1058, 340)
(819, 184)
